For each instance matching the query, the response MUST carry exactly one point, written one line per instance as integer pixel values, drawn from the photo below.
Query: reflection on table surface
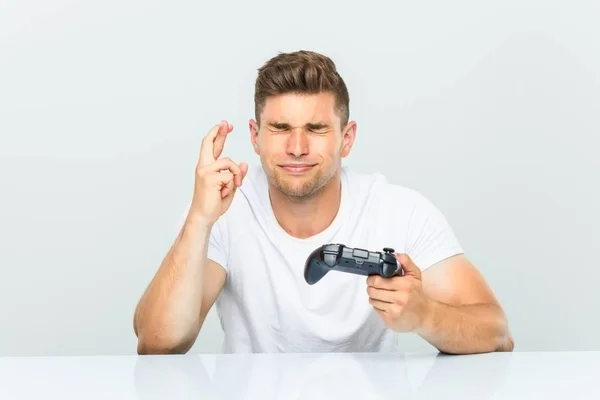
(547, 375)
(319, 376)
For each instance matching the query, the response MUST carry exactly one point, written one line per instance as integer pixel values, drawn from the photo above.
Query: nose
(297, 144)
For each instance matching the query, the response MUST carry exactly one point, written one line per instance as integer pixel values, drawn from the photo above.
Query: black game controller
(338, 257)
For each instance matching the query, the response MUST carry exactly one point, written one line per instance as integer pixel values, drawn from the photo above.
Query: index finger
(219, 141)
(207, 147)
(379, 282)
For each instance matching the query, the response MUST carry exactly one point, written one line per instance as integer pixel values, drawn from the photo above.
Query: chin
(300, 187)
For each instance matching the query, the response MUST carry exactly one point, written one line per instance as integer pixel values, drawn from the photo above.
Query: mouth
(297, 168)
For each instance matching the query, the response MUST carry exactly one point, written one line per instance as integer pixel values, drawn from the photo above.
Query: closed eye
(277, 127)
(315, 128)
(318, 128)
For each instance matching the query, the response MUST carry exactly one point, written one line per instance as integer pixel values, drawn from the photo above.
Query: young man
(249, 231)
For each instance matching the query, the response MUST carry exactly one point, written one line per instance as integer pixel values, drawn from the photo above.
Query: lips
(297, 168)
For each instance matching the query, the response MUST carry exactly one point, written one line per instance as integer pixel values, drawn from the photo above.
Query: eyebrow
(317, 125)
(279, 125)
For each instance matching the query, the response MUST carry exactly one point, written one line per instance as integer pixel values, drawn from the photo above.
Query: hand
(216, 179)
(399, 300)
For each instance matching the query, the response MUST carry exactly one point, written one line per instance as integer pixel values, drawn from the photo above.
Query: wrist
(197, 222)
(427, 321)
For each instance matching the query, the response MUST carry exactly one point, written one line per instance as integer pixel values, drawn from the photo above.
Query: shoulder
(381, 192)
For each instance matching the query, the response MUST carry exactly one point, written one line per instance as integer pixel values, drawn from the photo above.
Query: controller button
(388, 250)
(329, 259)
(360, 253)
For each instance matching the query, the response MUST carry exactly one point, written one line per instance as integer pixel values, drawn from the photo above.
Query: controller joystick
(338, 257)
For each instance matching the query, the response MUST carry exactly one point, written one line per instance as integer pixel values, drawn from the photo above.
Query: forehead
(298, 109)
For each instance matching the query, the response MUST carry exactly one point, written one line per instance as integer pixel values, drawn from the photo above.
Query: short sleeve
(217, 243)
(430, 238)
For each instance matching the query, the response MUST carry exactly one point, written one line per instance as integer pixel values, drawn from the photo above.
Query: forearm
(477, 328)
(167, 317)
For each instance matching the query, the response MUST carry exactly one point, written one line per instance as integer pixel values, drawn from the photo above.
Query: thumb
(231, 188)
(409, 267)
(244, 168)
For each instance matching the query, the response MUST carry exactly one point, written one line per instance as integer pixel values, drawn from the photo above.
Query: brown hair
(300, 72)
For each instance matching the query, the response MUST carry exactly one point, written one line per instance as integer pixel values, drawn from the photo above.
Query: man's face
(300, 142)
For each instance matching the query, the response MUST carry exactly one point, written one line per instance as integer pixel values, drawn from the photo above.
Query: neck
(303, 218)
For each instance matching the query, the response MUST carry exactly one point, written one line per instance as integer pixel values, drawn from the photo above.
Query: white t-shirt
(267, 306)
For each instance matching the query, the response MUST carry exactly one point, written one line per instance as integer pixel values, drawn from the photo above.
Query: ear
(253, 126)
(348, 137)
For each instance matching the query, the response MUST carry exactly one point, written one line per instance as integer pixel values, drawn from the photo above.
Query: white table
(559, 375)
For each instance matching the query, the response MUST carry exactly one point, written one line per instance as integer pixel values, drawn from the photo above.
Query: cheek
(270, 147)
(325, 145)
(334, 149)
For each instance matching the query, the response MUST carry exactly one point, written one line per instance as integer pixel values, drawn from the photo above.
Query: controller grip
(315, 267)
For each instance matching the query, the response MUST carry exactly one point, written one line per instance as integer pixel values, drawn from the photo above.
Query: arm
(463, 315)
(172, 310)
(447, 300)
(449, 305)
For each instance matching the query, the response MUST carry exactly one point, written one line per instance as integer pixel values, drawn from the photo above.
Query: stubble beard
(308, 189)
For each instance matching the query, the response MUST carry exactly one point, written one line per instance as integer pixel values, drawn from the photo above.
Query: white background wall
(491, 109)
